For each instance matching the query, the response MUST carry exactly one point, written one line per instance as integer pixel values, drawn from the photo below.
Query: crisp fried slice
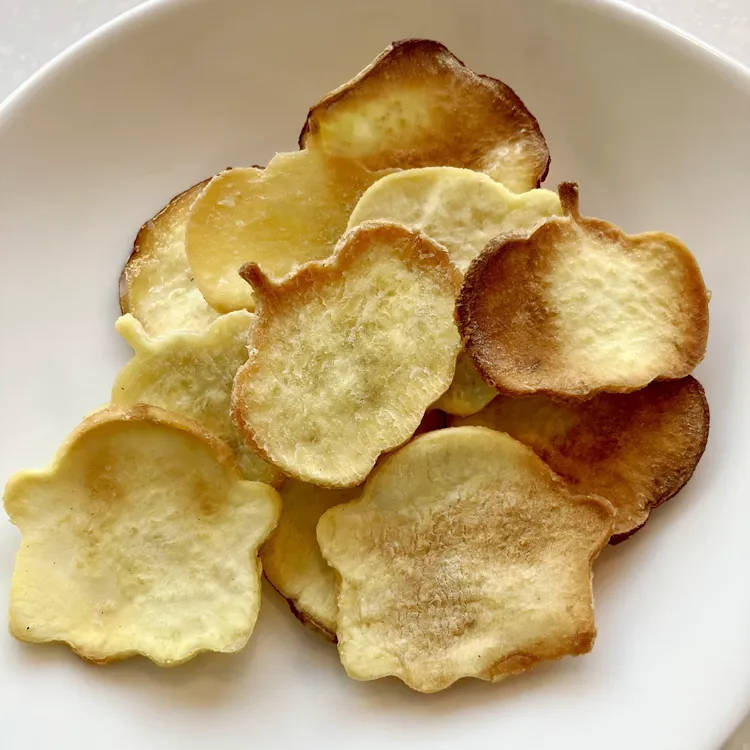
(464, 557)
(468, 393)
(191, 373)
(461, 209)
(636, 449)
(291, 557)
(347, 355)
(140, 538)
(418, 105)
(156, 285)
(579, 307)
(281, 217)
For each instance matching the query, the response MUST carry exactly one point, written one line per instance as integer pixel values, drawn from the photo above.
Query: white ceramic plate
(656, 130)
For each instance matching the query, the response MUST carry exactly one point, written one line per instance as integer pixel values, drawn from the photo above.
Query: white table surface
(32, 32)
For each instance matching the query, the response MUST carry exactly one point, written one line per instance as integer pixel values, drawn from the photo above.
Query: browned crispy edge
(473, 288)
(146, 227)
(307, 620)
(685, 475)
(408, 46)
(270, 296)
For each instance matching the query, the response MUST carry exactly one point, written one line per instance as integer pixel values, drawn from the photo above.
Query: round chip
(418, 105)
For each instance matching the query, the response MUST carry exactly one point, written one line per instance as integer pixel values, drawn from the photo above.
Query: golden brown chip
(468, 392)
(347, 355)
(578, 307)
(191, 373)
(156, 285)
(281, 217)
(140, 538)
(291, 557)
(418, 105)
(636, 449)
(464, 557)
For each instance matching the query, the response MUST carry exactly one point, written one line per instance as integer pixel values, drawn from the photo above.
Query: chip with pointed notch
(347, 355)
(578, 307)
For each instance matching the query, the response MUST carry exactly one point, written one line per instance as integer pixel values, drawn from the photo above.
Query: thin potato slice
(156, 285)
(347, 355)
(291, 558)
(468, 393)
(191, 373)
(464, 557)
(461, 209)
(140, 538)
(636, 449)
(578, 308)
(281, 217)
(418, 105)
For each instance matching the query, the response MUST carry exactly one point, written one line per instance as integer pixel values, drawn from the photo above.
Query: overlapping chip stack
(300, 333)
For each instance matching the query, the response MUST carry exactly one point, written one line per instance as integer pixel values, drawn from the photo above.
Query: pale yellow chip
(140, 538)
(292, 212)
(468, 393)
(156, 285)
(191, 373)
(459, 208)
(291, 557)
(464, 557)
(347, 355)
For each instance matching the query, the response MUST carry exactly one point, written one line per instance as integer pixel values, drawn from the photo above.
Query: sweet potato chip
(281, 217)
(464, 557)
(579, 307)
(461, 209)
(418, 105)
(636, 449)
(291, 557)
(347, 355)
(140, 538)
(468, 393)
(157, 285)
(191, 373)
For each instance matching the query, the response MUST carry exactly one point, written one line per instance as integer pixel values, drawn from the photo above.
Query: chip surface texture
(140, 538)
(418, 105)
(191, 373)
(579, 307)
(347, 355)
(465, 557)
(157, 285)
